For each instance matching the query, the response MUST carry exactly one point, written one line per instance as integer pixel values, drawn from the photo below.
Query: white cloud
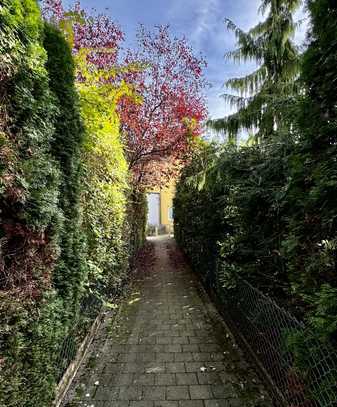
(206, 19)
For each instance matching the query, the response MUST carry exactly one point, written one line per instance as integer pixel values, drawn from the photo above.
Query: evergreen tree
(261, 95)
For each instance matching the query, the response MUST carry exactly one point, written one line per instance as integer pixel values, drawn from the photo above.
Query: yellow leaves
(67, 25)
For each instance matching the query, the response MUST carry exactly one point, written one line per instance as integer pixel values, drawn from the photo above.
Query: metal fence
(89, 310)
(302, 369)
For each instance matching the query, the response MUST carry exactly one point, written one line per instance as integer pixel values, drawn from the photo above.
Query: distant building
(160, 209)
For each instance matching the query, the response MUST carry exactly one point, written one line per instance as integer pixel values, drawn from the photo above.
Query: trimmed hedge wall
(64, 233)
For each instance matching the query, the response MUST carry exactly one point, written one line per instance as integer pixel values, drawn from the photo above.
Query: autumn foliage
(159, 126)
(159, 130)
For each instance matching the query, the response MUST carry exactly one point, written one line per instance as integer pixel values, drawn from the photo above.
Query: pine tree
(260, 96)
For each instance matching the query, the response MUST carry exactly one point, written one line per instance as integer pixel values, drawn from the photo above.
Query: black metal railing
(302, 368)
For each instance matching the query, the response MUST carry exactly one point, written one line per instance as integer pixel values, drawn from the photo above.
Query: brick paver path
(165, 349)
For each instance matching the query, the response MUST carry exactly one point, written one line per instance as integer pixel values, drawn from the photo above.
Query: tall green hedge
(66, 147)
(52, 237)
(30, 215)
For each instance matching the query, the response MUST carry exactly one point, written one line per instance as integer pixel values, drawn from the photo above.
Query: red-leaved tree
(98, 34)
(159, 131)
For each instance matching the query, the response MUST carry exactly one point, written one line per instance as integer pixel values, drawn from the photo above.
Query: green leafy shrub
(106, 176)
(228, 215)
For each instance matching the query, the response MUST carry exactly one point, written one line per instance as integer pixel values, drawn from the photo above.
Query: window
(170, 214)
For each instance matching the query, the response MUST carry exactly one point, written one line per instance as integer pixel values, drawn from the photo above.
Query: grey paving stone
(191, 403)
(112, 368)
(146, 357)
(130, 393)
(119, 379)
(126, 357)
(146, 379)
(154, 367)
(194, 366)
(164, 340)
(173, 348)
(202, 357)
(104, 393)
(154, 392)
(177, 367)
(134, 367)
(158, 348)
(118, 403)
(148, 340)
(183, 357)
(177, 393)
(200, 392)
(181, 340)
(164, 350)
(186, 378)
(163, 403)
(210, 347)
(165, 379)
(218, 403)
(165, 357)
(190, 348)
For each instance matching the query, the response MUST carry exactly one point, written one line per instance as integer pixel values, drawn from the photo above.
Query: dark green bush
(30, 216)
(233, 210)
(233, 217)
(66, 146)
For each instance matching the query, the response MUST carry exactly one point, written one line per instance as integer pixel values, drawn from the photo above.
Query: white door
(153, 201)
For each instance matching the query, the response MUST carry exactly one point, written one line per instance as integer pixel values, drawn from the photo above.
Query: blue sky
(202, 22)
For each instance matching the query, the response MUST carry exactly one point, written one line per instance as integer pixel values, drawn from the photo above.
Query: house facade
(160, 209)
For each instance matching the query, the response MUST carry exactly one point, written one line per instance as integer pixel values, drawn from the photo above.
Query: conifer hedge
(31, 218)
(64, 195)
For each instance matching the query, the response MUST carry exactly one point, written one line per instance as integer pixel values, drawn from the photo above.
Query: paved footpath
(165, 348)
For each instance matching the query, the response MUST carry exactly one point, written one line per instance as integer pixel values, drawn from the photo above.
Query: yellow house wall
(166, 202)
